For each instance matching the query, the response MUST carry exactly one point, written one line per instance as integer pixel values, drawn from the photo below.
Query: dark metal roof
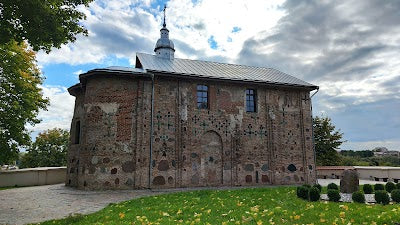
(217, 70)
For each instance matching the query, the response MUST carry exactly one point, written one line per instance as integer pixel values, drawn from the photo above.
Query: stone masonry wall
(220, 146)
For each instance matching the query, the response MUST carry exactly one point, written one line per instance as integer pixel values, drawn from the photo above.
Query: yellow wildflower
(342, 214)
(259, 222)
(121, 215)
(296, 217)
(322, 220)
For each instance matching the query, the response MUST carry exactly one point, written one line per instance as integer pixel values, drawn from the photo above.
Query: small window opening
(202, 97)
(251, 100)
(77, 132)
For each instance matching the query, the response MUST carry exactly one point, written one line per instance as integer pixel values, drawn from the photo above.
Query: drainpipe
(313, 139)
(151, 129)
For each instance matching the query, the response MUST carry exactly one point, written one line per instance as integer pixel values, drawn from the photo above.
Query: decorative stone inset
(249, 179)
(128, 166)
(264, 179)
(106, 160)
(264, 167)
(114, 170)
(159, 180)
(349, 182)
(194, 155)
(163, 165)
(249, 167)
(116, 181)
(292, 168)
(170, 180)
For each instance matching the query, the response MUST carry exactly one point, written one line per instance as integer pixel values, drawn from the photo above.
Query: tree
(49, 149)
(327, 141)
(20, 98)
(42, 23)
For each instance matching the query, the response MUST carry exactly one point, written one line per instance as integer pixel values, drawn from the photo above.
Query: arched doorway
(211, 159)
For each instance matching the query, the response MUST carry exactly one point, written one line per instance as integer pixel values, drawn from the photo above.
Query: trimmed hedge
(333, 195)
(302, 192)
(314, 194)
(318, 186)
(398, 185)
(379, 187)
(333, 186)
(390, 186)
(382, 197)
(368, 189)
(358, 196)
(396, 195)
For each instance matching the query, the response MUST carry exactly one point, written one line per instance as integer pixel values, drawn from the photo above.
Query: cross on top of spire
(165, 7)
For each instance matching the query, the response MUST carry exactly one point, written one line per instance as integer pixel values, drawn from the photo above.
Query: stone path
(40, 203)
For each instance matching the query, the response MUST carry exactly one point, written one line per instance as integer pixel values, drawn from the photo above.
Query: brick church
(172, 122)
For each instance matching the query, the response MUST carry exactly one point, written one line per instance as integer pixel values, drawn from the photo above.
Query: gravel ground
(347, 197)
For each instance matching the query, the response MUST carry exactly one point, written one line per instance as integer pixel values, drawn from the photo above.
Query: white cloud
(348, 48)
(60, 110)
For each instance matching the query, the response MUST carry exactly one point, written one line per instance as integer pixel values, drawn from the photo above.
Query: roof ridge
(198, 60)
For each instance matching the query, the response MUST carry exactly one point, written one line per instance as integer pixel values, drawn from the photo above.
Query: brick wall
(220, 146)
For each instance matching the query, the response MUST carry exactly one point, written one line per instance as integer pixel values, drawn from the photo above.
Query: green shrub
(398, 185)
(333, 186)
(307, 186)
(368, 189)
(302, 192)
(358, 196)
(318, 186)
(333, 195)
(396, 195)
(390, 186)
(379, 187)
(314, 194)
(382, 197)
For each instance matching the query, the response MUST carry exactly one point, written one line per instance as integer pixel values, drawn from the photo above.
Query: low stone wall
(379, 173)
(373, 173)
(33, 176)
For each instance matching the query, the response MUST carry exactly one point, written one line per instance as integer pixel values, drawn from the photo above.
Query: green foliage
(44, 24)
(368, 189)
(333, 186)
(379, 187)
(302, 192)
(395, 194)
(382, 197)
(49, 149)
(20, 98)
(314, 194)
(333, 195)
(398, 185)
(358, 196)
(390, 186)
(327, 141)
(370, 161)
(318, 186)
(361, 154)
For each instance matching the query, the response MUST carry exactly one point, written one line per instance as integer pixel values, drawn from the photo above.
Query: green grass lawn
(244, 206)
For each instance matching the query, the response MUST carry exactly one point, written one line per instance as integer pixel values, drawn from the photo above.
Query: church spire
(164, 46)
(165, 7)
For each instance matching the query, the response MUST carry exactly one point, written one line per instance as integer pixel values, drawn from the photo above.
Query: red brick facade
(220, 146)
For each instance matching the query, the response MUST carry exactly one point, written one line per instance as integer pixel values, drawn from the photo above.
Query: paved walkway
(41, 203)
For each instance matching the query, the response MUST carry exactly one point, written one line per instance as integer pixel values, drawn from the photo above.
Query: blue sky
(348, 48)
